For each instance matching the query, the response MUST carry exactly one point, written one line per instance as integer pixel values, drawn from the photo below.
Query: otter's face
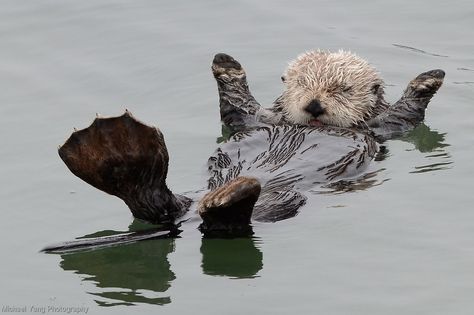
(338, 89)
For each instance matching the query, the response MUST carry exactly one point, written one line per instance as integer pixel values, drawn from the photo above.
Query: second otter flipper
(127, 159)
(409, 111)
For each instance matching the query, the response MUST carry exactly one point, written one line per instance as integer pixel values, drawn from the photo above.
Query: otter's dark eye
(375, 88)
(283, 79)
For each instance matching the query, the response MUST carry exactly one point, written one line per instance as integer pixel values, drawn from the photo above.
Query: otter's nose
(315, 108)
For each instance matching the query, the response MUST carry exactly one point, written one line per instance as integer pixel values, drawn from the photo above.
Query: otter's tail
(128, 159)
(409, 111)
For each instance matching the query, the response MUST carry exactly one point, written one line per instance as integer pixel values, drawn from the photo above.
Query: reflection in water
(126, 270)
(432, 167)
(226, 134)
(425, 139)
(429, 141)
(463, 82)
(126, 274)
(140, 272)
(235, 258)
(418, 50)
(363, 182)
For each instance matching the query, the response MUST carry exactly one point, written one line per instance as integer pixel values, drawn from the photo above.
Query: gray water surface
(401, 243)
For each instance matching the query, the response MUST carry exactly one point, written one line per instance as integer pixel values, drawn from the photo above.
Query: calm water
(401, 244)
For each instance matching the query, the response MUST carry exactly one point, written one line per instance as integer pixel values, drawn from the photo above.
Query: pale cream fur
(345, 85)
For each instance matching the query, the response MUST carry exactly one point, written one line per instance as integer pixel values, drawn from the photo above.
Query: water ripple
(463, 82)
(364, 182)
(432, 167)
(418, 50)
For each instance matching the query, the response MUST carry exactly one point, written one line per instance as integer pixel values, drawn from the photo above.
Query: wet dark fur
(127, 159)
(289, 160)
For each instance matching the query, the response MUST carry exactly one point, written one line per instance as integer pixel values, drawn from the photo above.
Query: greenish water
(399, 242)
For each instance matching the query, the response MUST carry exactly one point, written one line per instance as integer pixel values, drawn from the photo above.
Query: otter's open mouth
(315, 123)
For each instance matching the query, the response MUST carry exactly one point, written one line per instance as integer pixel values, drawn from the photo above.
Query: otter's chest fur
(289, 160)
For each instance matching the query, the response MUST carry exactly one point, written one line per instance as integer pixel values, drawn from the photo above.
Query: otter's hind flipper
(238, 108)
(127, 159)
(409, 111)
(226, 211)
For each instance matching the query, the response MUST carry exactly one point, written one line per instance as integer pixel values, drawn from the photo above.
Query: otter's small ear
(283, 78)
(375, 88)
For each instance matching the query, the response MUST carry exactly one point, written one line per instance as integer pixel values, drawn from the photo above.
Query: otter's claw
(228, 209)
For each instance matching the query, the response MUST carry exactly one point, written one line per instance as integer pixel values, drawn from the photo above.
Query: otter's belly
(296, 155)
(288, 161)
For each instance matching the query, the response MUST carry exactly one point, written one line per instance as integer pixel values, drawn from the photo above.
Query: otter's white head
(339, 89)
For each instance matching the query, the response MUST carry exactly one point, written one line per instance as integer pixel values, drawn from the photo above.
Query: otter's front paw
(224, 64)
(427, 83)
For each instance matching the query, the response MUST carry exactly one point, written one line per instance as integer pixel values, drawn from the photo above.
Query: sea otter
(323, 88)
(272, 157)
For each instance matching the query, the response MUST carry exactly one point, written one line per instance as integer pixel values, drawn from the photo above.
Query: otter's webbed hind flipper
(128, 159)
(408, 112)
(238, 108)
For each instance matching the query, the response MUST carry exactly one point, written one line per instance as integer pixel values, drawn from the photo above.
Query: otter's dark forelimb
(409, 111)
(228, 209)
(238, 108)
(127, 159)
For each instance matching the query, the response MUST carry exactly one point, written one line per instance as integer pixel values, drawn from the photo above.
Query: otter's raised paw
(225, 65)
(228, 209)
(426, 84)
(409, 111)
